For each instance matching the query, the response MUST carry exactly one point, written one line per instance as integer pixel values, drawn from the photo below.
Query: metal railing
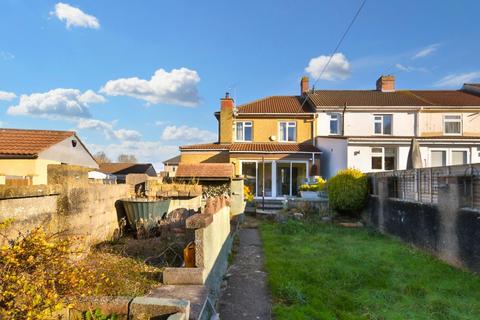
(422, 184)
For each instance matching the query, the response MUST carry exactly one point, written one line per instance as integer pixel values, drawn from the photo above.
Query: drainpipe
(313, 163)
(343, 118)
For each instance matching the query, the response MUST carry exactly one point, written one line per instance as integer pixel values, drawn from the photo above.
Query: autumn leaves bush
(42, 273)
(38, 275)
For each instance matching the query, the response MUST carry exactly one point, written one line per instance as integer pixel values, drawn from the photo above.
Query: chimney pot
(386, 83)
(227, 95)
(304, 86)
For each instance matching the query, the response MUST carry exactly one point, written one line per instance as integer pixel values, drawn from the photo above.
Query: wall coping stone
(11, 192)
(200, 220)
(149, 307)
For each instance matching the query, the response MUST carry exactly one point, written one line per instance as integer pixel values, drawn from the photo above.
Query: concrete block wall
(447, 229)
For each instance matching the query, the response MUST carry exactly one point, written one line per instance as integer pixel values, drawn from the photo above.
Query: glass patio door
(267, 179)
(283, 179)
(290, 175)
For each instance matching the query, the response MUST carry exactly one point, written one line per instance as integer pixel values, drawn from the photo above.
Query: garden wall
(68, 203)
(447, 229)
(212, 239)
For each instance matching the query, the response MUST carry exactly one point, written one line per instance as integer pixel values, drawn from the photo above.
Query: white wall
(64, 152)
(334, 155)
(361, 123)
(360, 156)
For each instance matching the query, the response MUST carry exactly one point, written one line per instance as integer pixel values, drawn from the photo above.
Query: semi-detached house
(281, 140)
(269, 141)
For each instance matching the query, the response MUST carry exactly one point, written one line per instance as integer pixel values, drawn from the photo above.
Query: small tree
(129, 158)
(101, 157)
(347, 191)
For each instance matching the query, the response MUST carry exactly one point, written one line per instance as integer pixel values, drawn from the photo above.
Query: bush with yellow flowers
(37, 275)
(247, 194)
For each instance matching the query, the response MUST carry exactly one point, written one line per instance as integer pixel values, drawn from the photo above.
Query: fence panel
(422, 184)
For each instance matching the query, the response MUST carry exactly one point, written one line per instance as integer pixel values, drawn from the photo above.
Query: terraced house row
(278, 141)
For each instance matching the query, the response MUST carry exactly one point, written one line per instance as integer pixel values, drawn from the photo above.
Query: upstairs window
(452, 124)
(287, 131)
(382, 124)
(243, 131)
(335, 123)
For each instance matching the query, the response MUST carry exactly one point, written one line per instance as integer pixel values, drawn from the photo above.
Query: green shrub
(347, 191)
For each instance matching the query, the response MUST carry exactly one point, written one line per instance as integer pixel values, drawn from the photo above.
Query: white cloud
(178, 87)
(74, 16)
(406, 68)
(187, 133)
(95, 124)
(5, 55)
(338, 68)
(427, 51)
(108, 129)
(56, 104)
(7, 96)
(458, 79)
(126, 134)
(146, 151)
(402, 67)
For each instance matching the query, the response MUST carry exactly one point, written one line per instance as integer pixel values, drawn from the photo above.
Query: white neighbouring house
(371, 130)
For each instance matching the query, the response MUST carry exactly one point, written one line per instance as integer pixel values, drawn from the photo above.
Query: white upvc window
(382, 123)
(384, 158)
(243, 131)
(335, 123)
(440, 157)
(452, 124)
(287, 131)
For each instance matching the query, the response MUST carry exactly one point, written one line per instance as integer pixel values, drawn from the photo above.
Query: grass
(322, 271)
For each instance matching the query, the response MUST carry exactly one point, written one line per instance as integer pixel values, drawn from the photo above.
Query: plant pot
(309, 194)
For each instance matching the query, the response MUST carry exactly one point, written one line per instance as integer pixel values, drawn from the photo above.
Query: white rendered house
(371, 130)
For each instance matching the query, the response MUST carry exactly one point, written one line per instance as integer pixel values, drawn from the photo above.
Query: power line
(338, 44)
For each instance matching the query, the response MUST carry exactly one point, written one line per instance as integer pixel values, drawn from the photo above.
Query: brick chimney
(226, 119)
(304, 85)
(386, 83)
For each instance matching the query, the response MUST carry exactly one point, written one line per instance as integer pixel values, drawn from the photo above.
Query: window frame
(338, 119)
(382, 124)
(280, 138)
(382, 156)
(460, 120)
(447, 156)
(243, 131)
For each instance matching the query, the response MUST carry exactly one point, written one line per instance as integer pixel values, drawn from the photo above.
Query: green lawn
(319, 271)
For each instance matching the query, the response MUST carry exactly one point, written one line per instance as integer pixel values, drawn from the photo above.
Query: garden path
(246, 295)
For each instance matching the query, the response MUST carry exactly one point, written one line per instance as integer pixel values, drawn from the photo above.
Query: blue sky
(143, 77)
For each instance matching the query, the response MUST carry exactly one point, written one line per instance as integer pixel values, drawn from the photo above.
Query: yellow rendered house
(270, 142)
